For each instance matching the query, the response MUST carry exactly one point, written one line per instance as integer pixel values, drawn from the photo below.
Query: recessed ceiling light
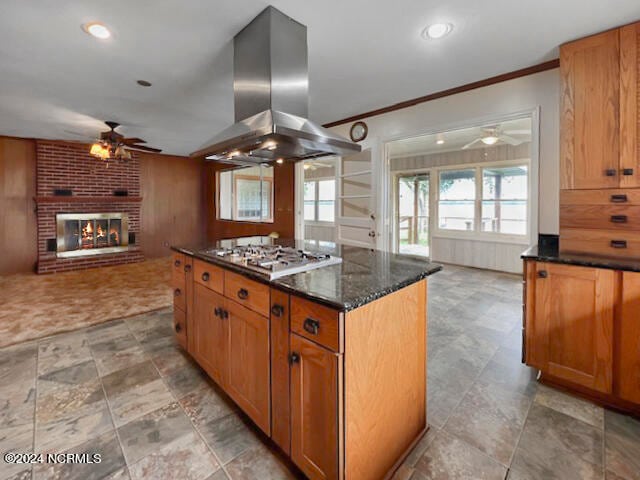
(437, 30)
(143, 83)
(97, 29)
(280, 161)
(439, 140)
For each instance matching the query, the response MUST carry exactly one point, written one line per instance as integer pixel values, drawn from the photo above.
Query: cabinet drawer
(610, 243)
(613, 217)
(180, 326)
(605, 196)
(251, 294)
(316, 322)
(208, 275)
(178, 261)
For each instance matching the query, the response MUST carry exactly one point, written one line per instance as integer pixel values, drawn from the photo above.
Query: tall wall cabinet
(600, 150)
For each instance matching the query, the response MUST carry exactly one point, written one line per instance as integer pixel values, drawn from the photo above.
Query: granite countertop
(553, 255)
(363, 276)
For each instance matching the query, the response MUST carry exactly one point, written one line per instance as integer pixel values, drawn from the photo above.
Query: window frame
(234, 205)
(476, 233)
(316, 201)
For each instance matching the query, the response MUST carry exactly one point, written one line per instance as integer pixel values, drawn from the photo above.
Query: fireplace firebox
(81, 234)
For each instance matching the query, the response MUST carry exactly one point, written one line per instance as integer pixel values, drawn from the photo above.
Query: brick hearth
(64, 165)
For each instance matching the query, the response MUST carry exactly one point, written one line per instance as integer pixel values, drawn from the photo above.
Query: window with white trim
(320, 200)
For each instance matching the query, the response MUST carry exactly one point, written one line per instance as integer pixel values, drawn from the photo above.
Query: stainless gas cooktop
(273, 261)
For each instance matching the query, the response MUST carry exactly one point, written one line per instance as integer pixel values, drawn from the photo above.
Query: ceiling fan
(112, 144)
(493, 135)
(315, 165)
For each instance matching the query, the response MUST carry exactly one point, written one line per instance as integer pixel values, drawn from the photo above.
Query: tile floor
(125, 390)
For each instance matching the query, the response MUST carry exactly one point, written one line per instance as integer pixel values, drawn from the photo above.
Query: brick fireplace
(73, 186)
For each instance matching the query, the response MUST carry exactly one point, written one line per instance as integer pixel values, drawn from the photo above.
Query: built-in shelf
(87, 199)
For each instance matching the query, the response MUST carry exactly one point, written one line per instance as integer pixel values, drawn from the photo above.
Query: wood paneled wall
(18, 230)
(284, 207)
(173, 202)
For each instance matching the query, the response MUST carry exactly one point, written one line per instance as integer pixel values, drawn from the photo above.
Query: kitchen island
(330, 362)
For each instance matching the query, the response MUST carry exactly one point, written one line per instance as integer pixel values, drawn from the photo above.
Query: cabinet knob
(618, 219)
(177, 263)
(627, 171)
(311, 325)
(610, 172)
(177, 327)
(177, 292)
(294, 358)
(622, 198)
(206, 277)
(618, 244)
(542, 274)
(243, 294)
(187, 268)
(277, 310)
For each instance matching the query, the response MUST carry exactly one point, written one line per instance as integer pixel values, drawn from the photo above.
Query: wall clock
(358, 131)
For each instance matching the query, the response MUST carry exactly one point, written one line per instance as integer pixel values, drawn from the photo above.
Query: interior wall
(173, 202)
(284, 206)
(18, 227)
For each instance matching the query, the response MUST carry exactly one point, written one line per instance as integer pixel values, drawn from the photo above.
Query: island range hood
(271, 99)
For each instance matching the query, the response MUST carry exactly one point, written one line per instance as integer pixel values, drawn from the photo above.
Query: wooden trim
(541, 67)
(87, 199)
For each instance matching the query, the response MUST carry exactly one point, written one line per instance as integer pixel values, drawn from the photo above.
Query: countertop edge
(554, 256)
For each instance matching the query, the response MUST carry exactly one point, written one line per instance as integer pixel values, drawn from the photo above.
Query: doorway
(412, 213)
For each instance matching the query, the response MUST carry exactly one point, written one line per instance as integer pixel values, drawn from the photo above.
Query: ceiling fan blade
(510, 140)
(517, 132)
(143, 148)
(471, 143)
(132, 140)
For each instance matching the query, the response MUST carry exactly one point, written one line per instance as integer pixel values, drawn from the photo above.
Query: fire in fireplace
(82, 234)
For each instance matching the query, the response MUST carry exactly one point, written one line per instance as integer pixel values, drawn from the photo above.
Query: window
(504, 200)
(457, 195)
(246, 194)
(319, 200)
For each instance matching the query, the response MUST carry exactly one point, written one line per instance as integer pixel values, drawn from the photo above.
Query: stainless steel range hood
(271, 92)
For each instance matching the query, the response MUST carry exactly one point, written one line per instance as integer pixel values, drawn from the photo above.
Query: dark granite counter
(363, 276)
(553, 255)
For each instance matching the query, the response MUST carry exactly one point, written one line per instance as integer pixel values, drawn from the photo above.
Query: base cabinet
(315, 408)
(208, 337)
(582, 330)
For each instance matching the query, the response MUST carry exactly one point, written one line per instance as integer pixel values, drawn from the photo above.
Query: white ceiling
(55, 79)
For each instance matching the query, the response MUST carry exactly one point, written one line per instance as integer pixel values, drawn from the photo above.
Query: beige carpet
(34, 306)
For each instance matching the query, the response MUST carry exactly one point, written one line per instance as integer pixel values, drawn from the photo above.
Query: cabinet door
(628, 340)
(315, 385)
(574, 324)
(208, 335)
(248, 381)
(590, 112)
(630, 105)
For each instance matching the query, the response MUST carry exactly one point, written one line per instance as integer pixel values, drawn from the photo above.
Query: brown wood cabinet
(582, 330)
(283, 360)
(209, 334)
(248, 374)
(629, 339)
(316, 405)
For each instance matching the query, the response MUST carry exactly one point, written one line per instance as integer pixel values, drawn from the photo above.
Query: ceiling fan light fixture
(97, 29)
(436, 31)
(490, 140)
(96, 150)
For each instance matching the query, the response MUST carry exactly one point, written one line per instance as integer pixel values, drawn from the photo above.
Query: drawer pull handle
(187, 268)
(618, 219)
(177, 292)
(312, 326)
(618, 198)
(225, 314)
(177, 328)
(294, 358)
(610, 172)
(217, 312)
(277, 310)
(543, 274)
(618, 243)
(627, 171)
(177, 263)
(243, 294)
(206, 277)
